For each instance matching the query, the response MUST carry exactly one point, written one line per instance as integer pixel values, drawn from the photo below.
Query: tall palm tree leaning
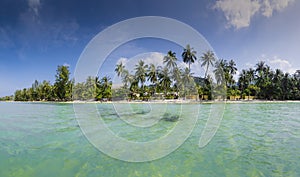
(189, 55)
(170, 60)
(219, 72)
(208, 59)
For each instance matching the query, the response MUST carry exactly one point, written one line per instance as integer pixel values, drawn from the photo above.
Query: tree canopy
(170, 81)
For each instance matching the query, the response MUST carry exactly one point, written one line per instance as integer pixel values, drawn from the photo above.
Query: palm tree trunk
(206, 71)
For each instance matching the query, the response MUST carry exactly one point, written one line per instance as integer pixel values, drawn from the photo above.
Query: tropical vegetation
(171, 81)
(64, 89)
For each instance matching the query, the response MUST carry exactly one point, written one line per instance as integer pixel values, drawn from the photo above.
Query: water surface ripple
(255, 139)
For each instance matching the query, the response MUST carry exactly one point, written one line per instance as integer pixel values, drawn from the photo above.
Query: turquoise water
(255, 139)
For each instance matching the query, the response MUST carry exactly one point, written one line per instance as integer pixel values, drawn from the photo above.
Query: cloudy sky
(38, 35)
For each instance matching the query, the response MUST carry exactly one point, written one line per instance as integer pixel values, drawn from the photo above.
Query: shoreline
(161, 102)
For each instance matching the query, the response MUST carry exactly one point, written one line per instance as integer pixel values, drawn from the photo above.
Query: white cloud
(154, 58)
(122, 60)
(282, 64)
(239, 13)
(66, 64)
(269, 6)
(274, 62)
(34, 5)
(151, 57)
(249, 65)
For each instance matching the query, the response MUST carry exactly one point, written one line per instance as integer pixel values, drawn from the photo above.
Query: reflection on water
(253, 140)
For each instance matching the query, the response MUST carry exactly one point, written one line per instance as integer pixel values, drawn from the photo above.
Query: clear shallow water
(253, 140)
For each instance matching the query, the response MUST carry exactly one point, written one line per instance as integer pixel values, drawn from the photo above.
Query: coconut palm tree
(232, 67)
(263, 80)
(208, 59)
(188, 84)
(285, 86)
(260, 70)
(105, 88)
(141, 72)
(98, 88)
(152, 75)
(243, 80)
(164, 79)
(250, 74)
(170, 60)
(219, 71)
(232, 70)
(276, 82)
(189, 55)
(119, 69)
(126, 78)
(177, 72)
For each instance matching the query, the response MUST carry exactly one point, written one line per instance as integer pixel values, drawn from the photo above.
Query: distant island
(169, 82)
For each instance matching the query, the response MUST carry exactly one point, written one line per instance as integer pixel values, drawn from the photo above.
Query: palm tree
(285, 86)
(126, 78)
(250, 75)
(219, 72)
(260, 70)
(177, 78)
(187, 81)
(164, 79)
(152, 75)
(232, 67)
(277, 77)
(263, 80)
(170, 60)
(207, 59)
(98, 88)
(140, 72)
(232, 70)
(189, 55)
(243, 80)
(106, 87)
(119, 69)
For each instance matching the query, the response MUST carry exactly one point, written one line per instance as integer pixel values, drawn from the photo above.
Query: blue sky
(38, 35)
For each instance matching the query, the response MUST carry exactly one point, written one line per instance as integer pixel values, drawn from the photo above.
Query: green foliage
(93, 89)
(265, 83)
(7, 98)
(207, 59)
(38, 92)
(64, 89)
(189, 55)
(104, 91)
(169, 82)
(170, 60)
(63, 84)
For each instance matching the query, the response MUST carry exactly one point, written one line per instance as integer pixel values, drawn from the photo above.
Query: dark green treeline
(170, 82)
(64, 89)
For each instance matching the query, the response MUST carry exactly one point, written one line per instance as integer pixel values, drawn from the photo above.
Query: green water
(253, 140)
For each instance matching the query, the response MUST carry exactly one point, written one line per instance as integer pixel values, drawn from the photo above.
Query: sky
(38, 35)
